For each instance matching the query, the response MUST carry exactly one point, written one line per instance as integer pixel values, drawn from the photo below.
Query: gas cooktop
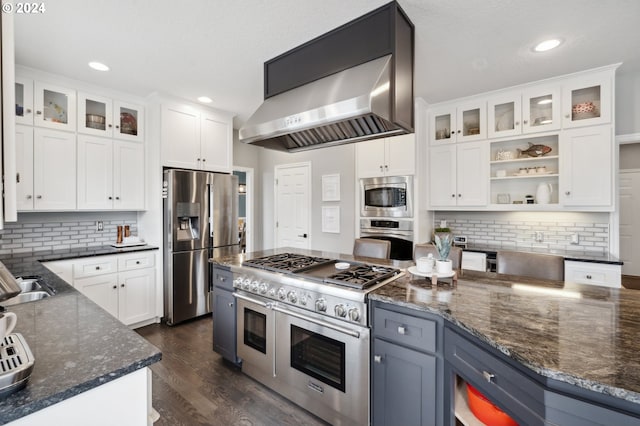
(358, 275)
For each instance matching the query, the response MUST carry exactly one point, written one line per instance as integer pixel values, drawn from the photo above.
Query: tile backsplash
(518, 232)
(61, 232)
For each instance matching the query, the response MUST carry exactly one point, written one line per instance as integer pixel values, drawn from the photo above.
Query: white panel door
(54, 170)
(442, 175)
(135, 295)
(216, 145)
(472, 175)
(95, 173)
(128, 175)
(293, 205)
(102, 289)
(630, 222)
(24, 167)
(180, 137)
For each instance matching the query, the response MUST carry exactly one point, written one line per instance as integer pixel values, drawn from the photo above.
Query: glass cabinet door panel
(443, 127)
(585, 103)
(129, 121)
(55, 107)
(471, 121)
(505, 116)
(24, 101)
(541, 109)
(95, 115)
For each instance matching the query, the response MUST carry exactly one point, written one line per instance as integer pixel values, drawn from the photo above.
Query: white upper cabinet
(458, 175)
(587, 178)
(393, 156)
(24, 168)
(587, 100)
(55, 107)
(462, 122)
(54, 170)
(197, 139)
(533, 110)
(102, 116)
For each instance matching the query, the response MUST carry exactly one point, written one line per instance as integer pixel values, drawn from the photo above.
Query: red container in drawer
(485, 411)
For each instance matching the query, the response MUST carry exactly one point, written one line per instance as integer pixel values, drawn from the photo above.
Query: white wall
(630, 156)
(245, 155)
(339, 159)
(627, 103)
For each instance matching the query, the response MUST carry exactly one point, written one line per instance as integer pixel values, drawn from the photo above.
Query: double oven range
(303, 331)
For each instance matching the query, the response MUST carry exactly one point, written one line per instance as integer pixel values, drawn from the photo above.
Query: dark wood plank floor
(631, 281)
(192, 385)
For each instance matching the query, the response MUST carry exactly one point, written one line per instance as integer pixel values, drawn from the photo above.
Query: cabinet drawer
(497, 380)
(223, 279)
(95, 266)
(408, 330)
(593, 273)
(136, 261)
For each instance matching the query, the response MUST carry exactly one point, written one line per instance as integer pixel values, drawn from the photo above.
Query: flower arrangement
(443, 244)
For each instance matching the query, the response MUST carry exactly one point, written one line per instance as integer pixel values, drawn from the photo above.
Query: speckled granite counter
(587, 336)
(76, 344)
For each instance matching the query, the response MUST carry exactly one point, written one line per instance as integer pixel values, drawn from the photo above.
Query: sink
(29, 296)
(32, 290)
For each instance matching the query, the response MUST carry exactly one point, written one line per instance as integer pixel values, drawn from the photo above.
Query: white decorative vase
(444, 266)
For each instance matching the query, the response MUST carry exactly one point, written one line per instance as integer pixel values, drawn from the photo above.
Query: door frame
(614, 216)
(276, 169)
(249, 218)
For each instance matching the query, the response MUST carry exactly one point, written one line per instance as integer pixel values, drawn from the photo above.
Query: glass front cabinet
(459, 123)
(102, 116)
(55, 107)
(587, 101)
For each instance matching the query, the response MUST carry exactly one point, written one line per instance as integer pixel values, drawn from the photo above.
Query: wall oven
(397, 231)
(389, 196)
(315, 361)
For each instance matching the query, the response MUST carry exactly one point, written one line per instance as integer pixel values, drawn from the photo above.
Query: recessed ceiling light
(98, 66)
(205, 99)
(547, 45)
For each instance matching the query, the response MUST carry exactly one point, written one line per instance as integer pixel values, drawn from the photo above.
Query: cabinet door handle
(38, 112)
(97, 268)
(459, 131)
(117, 198)
(204, 159)
(380, 168)
(518, 123)
(567, 193)
(29, 197)
(567, 116)
(223, 279)
(588, 277)
(39, 197)
(386, 167)
(111, 198)
(115, 287)
(110, 125)
(117, 127)
(137, 262)
(460, 195)
(525, 121)
(197, 159)
(121, 285)
(402, 330)
(377, 359)
(453, 195)
(28, 110)
(488, 376)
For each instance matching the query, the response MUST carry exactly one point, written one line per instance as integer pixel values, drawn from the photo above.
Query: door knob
(303, 235)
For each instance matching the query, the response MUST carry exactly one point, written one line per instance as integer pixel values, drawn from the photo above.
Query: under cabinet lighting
(98, 66)
(547, 45)
(205, 99)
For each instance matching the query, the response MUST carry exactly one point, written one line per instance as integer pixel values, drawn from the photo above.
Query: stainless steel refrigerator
(200, 222)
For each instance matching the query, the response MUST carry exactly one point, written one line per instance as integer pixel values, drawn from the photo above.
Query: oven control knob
(246, 283)
(263, 288)
(282, 294)
(272, 292)
(303, 300)
(237, 283)
(254, 286)
(340, 310)
(292, 296)
(321, 305)
(354, 314)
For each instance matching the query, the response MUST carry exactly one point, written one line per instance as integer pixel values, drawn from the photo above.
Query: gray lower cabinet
(528, 398)
(224, 315)
(406, 367)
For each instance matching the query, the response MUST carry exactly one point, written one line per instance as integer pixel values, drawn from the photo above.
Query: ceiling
(217, 47)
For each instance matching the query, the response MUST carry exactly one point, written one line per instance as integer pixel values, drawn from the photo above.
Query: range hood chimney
(352, 84)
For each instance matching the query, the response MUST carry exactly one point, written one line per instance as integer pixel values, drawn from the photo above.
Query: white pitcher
(543, 194)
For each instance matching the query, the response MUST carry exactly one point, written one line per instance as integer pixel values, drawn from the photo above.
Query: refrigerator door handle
(211, 209)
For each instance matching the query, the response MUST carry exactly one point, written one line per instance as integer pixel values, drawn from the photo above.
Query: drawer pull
(223, 279)
(402, 330)
(588, 277)
(97, 268)
(377, 359)
(488, 376)
(137, 262)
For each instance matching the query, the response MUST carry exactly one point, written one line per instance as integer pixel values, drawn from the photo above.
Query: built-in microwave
(389, 196)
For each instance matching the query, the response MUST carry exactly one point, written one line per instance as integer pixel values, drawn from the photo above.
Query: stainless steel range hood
(349, 106)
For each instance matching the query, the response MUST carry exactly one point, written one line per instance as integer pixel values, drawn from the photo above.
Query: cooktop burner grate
(286, 262)
(361, 276)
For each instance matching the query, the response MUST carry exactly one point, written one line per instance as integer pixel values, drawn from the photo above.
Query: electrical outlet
(575, 239)
(99, 226)
(539, 236)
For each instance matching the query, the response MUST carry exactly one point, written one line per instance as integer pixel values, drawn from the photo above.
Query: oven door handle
(321, 323)
(252, 300)
(402, 236)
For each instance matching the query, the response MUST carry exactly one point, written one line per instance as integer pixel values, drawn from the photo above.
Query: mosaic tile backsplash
(29, 237)
(518, 234)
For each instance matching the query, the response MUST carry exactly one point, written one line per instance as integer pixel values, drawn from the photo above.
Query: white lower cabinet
(603, 274)
(123, 284)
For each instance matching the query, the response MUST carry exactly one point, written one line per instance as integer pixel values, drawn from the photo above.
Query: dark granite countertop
(76, 344)
(579, 256)
(583, 335)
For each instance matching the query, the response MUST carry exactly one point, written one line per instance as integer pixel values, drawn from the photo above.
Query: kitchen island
(89, 367)
(576, 344)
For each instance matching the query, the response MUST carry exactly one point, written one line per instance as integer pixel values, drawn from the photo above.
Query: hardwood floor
(631, 281)
(193, 385)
